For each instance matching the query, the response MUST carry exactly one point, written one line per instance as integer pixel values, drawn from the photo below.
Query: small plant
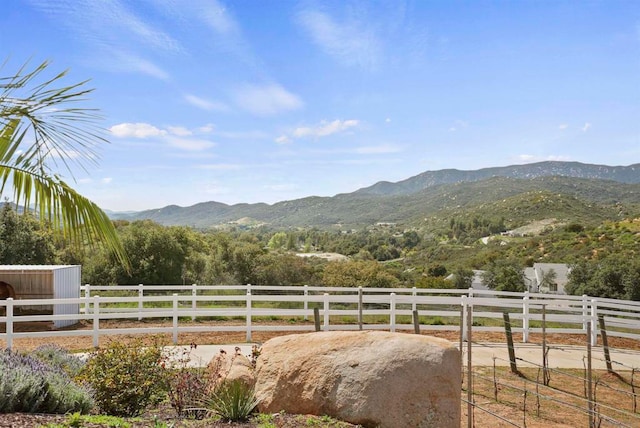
(186, 385)
(126, 379)
(30, 385)
(232, 400)
(264, 420)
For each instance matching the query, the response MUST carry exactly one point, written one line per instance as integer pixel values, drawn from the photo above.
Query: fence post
(414, 294)
(585, 311)
(605, 343)
(360, 308)
(140, 303)
(325, 327)
(470, 401)
(594, 322)
(87, 296)
(392, 312)
(194, 301)
(463, 319)
(175, 318)
(525, 317)
(248, 313)
(306, 301)
(9, 323)
(589, 376)
(96, 320)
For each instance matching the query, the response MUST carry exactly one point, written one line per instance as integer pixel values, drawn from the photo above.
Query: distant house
(541, 278)
(547, 278)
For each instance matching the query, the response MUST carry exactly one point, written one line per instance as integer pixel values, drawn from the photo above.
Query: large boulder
(371, 378)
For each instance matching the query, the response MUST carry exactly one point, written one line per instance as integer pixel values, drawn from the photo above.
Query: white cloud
(204, 104)
(563, 126)
(266, 100)
(283, 139)
(106, 180)
(352, 43)
(325, 128)
(586, 127)
(189, 144)
(136, 130)
(387, 120)
(174, 136)
(180, 131)
(206, 129)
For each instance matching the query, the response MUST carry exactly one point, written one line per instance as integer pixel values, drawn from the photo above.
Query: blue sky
(264, 101)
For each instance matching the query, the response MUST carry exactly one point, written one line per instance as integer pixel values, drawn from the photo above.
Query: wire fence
(521, 390)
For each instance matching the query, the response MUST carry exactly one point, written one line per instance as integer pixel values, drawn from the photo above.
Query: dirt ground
(509, 408)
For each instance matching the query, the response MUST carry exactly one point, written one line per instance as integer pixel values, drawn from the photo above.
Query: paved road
(483, 354)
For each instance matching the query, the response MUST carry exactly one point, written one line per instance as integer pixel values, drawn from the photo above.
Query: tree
(503, 275)
(23, 240)
(41, 126)
(462, 278)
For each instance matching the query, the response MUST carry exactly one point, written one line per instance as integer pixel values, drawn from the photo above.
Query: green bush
(233, 400)
(127, 380)
(30, 385)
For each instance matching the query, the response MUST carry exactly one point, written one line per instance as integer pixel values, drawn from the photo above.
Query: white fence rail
(340, 308)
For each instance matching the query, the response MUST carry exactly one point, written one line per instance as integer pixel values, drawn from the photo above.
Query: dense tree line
(602, 260)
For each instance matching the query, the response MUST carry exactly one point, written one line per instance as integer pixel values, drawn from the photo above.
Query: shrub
(233, 400)
(59, 357)
(30, 385)
(126, 380)
(186, 385)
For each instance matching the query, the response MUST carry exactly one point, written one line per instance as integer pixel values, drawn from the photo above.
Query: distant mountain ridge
(408, 200)
(622, 174)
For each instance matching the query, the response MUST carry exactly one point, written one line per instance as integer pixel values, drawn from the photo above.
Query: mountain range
(598, 189)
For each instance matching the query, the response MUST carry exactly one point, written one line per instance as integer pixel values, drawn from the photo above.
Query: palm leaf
(38, 130)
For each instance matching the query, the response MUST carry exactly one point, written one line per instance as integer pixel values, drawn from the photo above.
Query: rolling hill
(575, 189)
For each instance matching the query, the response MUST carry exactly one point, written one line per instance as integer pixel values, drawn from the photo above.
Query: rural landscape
(335, 214)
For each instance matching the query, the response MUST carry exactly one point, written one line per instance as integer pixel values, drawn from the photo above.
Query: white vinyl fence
(339, 308)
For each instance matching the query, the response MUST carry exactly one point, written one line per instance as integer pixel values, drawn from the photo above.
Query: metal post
(416, 323)
(545, 359)
(175, 318)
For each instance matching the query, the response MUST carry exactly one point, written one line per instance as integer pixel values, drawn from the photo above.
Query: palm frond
(38, 129)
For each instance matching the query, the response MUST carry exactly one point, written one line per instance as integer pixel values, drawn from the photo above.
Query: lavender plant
(30, 385)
